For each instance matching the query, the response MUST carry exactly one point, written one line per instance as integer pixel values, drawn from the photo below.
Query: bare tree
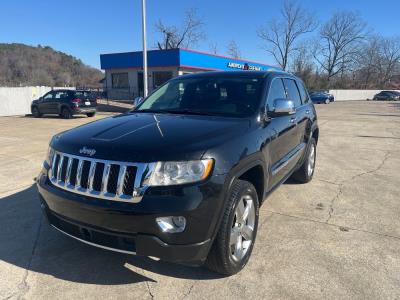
(368, 60)
(303, 66)
(281, 35)
(340, 38)
(390, 59)
(214, 48)
(233, 49)
(188, 35)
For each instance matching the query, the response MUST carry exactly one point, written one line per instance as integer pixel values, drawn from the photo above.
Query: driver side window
(48, 97)
(276, 91)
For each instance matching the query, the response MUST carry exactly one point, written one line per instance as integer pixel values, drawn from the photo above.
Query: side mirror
(137, 101)
(283, 107)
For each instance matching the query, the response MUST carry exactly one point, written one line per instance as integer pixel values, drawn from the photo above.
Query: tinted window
(83, 95)
(159, 78)
(276, 91)
(213, 95)
(48, 96)
(292, 92)
(119, 81)
(303, 93)
(60, 95)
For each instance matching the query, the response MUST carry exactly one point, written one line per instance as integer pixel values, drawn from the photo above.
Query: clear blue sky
(86, 28)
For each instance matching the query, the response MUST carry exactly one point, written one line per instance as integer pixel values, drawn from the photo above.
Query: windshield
(226, 96)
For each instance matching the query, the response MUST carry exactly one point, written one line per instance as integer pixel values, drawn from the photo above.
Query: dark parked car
(182, 176)
(65, 103)
(321, 97)
(387, 95)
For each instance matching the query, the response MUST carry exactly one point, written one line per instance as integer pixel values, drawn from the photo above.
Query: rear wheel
(91, 114)
(306, 171)
(65, 113)
(35, 112)
(235, 239)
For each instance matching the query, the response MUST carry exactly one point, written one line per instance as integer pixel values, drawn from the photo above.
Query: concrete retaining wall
(346, 95)
(17, 100)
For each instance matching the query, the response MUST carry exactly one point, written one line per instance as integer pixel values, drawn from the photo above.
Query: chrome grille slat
(121, 179)
(59, 168)
(53, 165)
(68, 175)
(91, 175)
(73, 179)
(104, 181)
(79, 173)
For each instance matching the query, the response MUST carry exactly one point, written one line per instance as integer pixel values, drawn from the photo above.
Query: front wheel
(327, 101)
(35, 112)
(306, 171)
(235, 239)
(91, 114)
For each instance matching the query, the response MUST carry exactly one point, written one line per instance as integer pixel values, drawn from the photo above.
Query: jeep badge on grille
(87, 151)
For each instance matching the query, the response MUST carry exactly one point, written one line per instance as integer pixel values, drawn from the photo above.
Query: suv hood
(147, 137)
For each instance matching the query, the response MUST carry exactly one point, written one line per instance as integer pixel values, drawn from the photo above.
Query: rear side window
(292, 92)
(82, 95)
(303, 93)
(276, 91)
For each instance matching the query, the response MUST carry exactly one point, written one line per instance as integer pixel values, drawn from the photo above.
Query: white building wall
(346, 95)
(17, 100)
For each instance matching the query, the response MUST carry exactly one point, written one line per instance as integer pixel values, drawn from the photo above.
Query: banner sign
(245, 66)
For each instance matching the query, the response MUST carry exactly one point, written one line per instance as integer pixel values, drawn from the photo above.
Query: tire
(35, 112)
(306, 172)
(90, 115)
(229, 258)
(65, 113)
(327, 101)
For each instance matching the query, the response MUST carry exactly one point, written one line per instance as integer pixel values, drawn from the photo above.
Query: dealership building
(124, 71)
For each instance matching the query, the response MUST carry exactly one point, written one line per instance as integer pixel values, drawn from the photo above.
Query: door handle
(292, 120)
(307, 112)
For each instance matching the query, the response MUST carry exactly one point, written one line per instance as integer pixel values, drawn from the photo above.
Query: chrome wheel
(242, 228)
(311, 161)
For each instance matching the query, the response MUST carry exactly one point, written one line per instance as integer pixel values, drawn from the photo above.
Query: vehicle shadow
(27, 241)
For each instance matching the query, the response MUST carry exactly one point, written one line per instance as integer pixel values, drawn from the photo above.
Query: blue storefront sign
(181, 58)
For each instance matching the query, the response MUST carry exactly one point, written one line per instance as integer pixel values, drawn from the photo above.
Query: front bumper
(131, 227)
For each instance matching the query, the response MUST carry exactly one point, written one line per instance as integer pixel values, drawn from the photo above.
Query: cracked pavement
(337, 237)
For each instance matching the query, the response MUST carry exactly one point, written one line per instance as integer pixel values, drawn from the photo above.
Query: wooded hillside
(23, 65)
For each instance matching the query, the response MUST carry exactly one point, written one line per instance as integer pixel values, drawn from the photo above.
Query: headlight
(175, 172)
(50, 155)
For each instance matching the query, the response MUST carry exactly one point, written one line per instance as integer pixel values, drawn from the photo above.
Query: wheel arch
(315, 134)
(62, 106)
(255, 173)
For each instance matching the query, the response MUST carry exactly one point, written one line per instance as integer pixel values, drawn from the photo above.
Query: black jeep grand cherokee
(182, 176)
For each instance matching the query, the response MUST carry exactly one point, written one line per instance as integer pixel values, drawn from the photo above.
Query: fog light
(171, 224)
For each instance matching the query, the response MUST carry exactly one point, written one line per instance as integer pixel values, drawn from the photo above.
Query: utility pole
(144, 36)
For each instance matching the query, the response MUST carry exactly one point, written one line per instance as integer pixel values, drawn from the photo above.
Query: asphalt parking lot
(336, 237)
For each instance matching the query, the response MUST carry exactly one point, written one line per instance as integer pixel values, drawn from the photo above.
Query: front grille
(111, 180)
